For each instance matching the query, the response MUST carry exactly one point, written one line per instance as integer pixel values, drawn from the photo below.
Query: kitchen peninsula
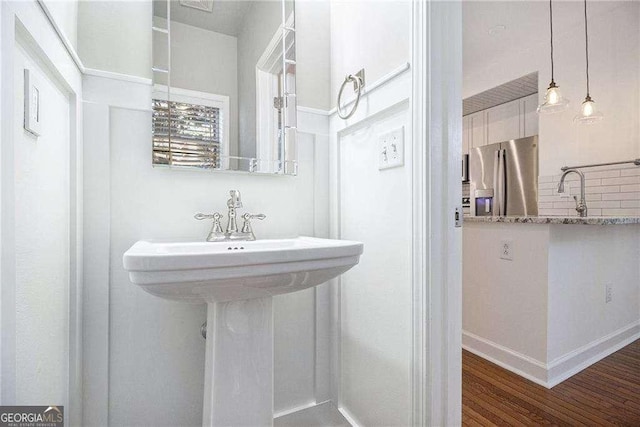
(545, 297)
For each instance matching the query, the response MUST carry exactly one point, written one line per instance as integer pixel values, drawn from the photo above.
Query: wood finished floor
(605, 394)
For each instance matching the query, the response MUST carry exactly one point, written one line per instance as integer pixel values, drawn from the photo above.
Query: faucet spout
(581, 205)
(235, 201)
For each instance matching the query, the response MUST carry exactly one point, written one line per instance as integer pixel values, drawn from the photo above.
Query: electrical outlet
(506, 250)
(391, 149)
(608, 293)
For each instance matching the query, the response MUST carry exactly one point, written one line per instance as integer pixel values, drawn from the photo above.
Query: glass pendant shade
(554, 102)
(588, 113)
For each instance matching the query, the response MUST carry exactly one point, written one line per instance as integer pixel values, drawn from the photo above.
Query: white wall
(372, 353)
(42, 236)
(313, 52)
(260, 24)
(65, 14)
(614, 44)
(581, 263)
(202, 60)
(154, 345)
(372, 35)
(116, 36)
(41, 217)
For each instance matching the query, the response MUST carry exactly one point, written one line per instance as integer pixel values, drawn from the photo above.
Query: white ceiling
(526, 22)
(226, 18)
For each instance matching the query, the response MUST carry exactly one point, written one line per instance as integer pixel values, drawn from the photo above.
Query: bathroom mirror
(224, 75)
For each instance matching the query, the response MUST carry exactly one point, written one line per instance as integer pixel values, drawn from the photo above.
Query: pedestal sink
(237, 281)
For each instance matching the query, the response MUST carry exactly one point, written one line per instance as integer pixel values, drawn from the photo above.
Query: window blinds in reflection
(186, 134)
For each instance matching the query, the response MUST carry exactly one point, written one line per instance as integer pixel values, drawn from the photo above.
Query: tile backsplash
(610, 191)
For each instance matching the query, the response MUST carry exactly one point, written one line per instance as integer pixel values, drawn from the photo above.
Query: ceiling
(510, 91)
(226, 18)
(526, 22)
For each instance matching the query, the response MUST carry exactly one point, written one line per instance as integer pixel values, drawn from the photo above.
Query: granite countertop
(590, 220)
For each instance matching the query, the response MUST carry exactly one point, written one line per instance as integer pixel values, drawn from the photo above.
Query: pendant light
(554, 102)
(588, 113)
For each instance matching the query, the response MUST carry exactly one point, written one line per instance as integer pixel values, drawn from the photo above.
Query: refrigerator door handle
(495, 209)
(502, 182)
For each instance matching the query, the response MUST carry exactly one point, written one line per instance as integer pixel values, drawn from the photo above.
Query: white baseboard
(571, 363)
(296, 409)
(348, 417)
(553, 373)
(511, 360)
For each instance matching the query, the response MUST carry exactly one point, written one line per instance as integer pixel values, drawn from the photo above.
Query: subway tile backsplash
(610, 191)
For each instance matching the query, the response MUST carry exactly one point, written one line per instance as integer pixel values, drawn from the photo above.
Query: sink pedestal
(237, 280)
(238, 386)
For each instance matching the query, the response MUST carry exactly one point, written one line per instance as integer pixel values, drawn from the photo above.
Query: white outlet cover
(506, 250)
(391, 149)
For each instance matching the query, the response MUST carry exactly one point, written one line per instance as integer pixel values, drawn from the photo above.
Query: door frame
(437, 243)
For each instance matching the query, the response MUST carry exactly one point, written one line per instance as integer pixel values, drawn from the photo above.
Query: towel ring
(358, 83)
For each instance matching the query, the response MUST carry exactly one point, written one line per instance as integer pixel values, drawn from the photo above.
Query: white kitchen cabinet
(478, 129)
(466, 130)
(512, 120)
(529, 115)
(503, 122)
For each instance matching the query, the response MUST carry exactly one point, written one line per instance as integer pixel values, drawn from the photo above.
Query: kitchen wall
(194, 69)
(614, 36)
(372, 347)
(610, 191)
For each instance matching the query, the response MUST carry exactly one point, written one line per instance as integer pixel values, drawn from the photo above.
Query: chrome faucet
(581, 205)
(233, 203)
(216, 234)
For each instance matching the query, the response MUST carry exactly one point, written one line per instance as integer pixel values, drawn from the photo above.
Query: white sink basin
(226, 271)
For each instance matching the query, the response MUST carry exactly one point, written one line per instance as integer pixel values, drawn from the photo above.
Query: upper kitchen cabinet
(477, 129)
(529, 115)
(501, 113)
(511, 120)
(466, 139)
(503, 122)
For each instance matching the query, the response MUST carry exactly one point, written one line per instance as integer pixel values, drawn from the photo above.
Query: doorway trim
(437, 243)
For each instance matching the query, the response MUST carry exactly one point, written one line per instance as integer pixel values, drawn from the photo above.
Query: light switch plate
(391, 149)
(32, 118)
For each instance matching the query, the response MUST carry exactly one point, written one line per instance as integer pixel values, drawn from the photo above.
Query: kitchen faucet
(581, 206)
(217, 235)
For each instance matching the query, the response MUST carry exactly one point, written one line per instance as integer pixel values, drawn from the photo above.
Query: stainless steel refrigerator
(503, 178)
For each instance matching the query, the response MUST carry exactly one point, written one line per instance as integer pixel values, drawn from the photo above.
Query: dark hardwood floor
(605, 394)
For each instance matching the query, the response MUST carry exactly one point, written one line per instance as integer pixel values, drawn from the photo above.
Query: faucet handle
(216, 228)
(249, 216)
(246, 227)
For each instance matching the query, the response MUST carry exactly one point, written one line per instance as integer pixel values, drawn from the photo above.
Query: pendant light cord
(551, 26)
(586, 44)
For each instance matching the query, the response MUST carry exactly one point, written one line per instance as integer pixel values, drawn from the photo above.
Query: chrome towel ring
(358, 84)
